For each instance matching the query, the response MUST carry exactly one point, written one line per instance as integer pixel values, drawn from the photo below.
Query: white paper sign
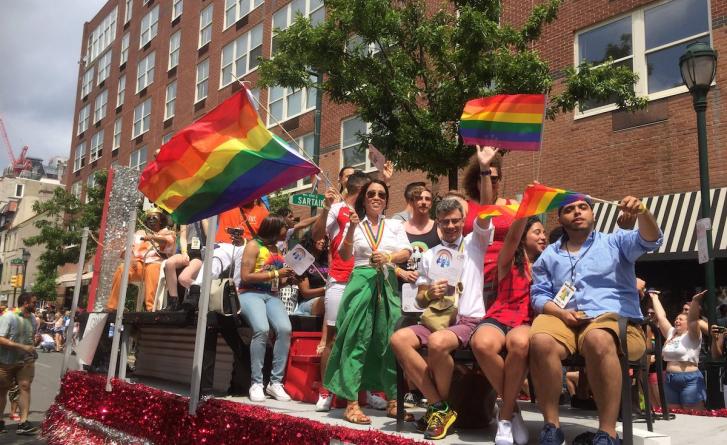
(446, 265)
(299, 259)
(703, 225)
(409, 298)
(377, 158)
(86, 348)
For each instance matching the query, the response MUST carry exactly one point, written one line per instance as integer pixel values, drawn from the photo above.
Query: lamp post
(26, 258)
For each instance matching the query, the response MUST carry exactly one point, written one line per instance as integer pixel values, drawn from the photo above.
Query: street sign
(307, 200)
(17, 261)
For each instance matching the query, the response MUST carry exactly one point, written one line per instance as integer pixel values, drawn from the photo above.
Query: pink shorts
(463, 329)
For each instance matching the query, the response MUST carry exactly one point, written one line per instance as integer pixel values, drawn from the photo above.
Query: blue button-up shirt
(605, 279)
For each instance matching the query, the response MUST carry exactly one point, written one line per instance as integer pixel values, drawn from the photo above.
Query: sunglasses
(373, 193)
(447, 222)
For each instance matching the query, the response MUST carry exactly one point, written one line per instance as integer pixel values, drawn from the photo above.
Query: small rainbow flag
(224, 159)
(539, 199)
(490, 211)
(506, 121)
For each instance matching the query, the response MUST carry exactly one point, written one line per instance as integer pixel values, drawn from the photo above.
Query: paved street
(44, 390)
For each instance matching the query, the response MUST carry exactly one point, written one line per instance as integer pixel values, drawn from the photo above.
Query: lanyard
(572, 264)
(374, 239)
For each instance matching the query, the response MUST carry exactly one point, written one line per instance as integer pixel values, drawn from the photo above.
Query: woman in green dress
(361, 357)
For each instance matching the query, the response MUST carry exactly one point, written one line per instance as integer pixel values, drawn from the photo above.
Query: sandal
(354, 414)
(391, 412)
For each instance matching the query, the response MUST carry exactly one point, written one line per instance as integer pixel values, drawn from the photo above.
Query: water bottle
(111, 330)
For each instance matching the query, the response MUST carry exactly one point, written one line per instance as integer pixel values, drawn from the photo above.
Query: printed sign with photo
(377, 158)
(299, 259)
(446, 265)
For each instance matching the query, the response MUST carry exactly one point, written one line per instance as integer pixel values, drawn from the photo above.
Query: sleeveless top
(501, 225)
(265, 261)
(419, 244)
(681, 348)
(512, 305)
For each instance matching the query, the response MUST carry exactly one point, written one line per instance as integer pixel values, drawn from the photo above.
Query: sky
(40, 45)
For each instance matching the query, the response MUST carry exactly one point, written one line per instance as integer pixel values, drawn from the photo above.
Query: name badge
(195, 243)
(564, 295)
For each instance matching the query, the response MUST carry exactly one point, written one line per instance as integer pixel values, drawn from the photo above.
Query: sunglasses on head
(373, 193)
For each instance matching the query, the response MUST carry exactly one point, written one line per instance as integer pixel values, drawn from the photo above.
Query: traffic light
(19, 277)
(14, 281)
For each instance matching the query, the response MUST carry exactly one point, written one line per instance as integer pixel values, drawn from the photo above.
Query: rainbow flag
(490, 211)
(224, 159)
(509, 122)
(539, 199)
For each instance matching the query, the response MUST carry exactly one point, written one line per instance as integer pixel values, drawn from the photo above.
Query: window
(96, 145)
(285, 103)
(306, 143)
(87, 82)
(19, 188)
(142, 118)
(237, 9)
(166, 138)
(121, 91)
(240, 56)
(117, 135)
(101, 37)
(128, 10)
(175, 42)
(177, 8)
(138, 158)
(78, 156)
(145, 72)
(203, 74)
(171, 99)
(90, 184)
(99, 107)
(104, 67)
(76, 189)
(351, 153)
(285, 16)
(84, 115)
(649, 41)
(124, 49)
(205, 26)
(149, 24)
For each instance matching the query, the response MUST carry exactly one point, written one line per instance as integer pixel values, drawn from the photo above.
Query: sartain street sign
(307, 200)
(18, 261)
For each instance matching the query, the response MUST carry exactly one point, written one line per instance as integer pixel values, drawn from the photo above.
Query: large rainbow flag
(509, 122)
(539, 198)
(224, 159)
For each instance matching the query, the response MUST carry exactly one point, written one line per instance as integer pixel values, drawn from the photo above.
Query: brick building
(151, 67)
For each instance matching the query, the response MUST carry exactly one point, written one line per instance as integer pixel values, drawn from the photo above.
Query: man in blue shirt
(579, 283)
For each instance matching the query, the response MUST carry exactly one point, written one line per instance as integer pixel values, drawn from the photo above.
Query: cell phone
(720, 329)
(235, 231)
(583, 316)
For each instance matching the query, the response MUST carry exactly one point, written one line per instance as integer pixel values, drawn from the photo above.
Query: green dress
(361, 357)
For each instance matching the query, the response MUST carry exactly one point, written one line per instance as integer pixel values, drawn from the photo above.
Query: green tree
(409, 68)
(60, 223)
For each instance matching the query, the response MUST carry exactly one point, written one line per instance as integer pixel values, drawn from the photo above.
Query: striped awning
(677, 215)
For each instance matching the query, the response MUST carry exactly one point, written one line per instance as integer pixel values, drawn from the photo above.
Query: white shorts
(334, 292)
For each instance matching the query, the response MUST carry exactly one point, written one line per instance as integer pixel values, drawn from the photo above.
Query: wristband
(277, 275)
(487, 172)
(388, 257)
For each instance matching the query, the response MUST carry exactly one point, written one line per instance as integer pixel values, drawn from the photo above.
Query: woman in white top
(684, 386)
(361, 357)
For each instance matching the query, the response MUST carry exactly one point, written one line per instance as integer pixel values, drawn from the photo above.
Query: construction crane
(19, 164)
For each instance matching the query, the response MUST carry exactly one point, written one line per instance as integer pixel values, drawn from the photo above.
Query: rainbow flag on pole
(539, 199)
(509, 122)
(224, 159)
(490, 211)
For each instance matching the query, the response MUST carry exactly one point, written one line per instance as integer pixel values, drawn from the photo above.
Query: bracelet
(277, 275)
(347, 242)
(485, 172)
(388, 257)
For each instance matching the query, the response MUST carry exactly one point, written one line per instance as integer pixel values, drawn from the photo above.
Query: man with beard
(581, 283)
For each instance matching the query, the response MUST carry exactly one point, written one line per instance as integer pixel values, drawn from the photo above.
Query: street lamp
(26, 258)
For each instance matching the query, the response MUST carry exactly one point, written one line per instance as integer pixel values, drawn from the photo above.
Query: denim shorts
(305, 307)
(685, 388)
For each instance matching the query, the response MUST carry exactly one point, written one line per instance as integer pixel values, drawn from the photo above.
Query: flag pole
(203, 307)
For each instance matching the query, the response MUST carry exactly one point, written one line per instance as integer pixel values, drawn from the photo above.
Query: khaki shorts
(22, 372)
(572, 338)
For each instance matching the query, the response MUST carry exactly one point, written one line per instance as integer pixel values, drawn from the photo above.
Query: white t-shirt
(471, 302)
(681, 348)
(393, 239)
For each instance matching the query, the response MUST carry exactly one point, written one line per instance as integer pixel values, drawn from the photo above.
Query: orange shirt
(234, 218)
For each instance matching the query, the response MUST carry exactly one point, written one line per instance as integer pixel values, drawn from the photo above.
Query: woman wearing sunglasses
(361, 357)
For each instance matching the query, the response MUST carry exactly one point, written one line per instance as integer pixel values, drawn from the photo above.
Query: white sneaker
(324, 402)
(256, 393)
(277, 392)
(504, 433)
(519, 430)
(375, 402)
